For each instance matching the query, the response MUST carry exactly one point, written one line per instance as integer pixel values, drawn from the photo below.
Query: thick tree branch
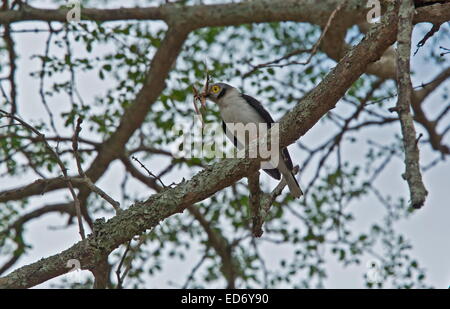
(412, 166)
(198, 16)
(436, 14)
(68, 208)
(38, 187)
(427, 89)
(255, 203)
(101, 273)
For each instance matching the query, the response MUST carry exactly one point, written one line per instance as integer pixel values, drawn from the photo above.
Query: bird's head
(217, 91)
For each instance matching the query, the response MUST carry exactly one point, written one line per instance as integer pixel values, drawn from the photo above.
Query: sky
(428, 229)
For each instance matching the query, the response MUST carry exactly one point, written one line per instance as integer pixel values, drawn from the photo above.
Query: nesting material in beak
(201, 96)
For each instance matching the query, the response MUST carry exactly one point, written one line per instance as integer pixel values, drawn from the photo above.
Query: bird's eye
(215, 89)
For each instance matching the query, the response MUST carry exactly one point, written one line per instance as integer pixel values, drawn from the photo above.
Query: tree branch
(197, 16)
(412, 166)
(418, 99)
(265, 201)
(87, 180)
(255, 203)
(9, 42)
(38, 187)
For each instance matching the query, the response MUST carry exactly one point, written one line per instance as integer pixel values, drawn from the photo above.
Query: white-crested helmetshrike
(236, 107)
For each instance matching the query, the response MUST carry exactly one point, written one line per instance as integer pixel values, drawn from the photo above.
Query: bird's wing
(272, 172)
(269, 120)
(258, 108)
(230, 135)
(287, 159)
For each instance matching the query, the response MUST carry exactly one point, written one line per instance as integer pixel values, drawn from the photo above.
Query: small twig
(277, 191)
(58, 161)
(325, 30)
(429, 34)
(83, 175)
(35, 30)
(433, 163)
(447, 51)
(70, 64)
(120, 278)
(6, 126)
(312, 51)
(147, 170)
(196, 267)
(75, 137)
(423, 85)
(418, 138)
(275, 63)
(119, 268)
(42, 79)
(102, 194)
(10, 47)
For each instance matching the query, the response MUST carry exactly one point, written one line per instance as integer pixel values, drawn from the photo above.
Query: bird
(237, 107)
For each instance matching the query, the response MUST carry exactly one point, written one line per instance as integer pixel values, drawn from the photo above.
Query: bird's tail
(293, 185)
(289, 177)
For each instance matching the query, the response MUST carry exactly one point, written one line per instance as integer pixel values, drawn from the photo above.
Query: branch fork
(261, 202)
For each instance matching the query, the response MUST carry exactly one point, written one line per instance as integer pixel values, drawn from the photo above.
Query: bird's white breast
(234, 109)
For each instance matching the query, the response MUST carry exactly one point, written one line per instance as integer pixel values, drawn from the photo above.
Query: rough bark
(412, 174)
